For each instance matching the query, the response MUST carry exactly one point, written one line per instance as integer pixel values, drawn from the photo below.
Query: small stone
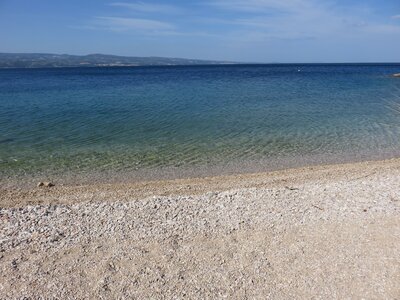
(40, 184)
(396, 75)
(14, 264)
(45, 184)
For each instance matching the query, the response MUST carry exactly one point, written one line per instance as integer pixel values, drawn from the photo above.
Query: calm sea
(240, 117)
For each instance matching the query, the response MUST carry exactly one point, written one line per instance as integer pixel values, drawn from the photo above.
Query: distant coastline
(46, 60)
(49, 60)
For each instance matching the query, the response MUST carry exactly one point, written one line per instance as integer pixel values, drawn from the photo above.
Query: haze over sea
(218, 119)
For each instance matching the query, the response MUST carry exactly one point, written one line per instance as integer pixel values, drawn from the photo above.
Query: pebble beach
(317, 232)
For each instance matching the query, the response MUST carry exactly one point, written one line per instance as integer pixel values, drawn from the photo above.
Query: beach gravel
(326, 232)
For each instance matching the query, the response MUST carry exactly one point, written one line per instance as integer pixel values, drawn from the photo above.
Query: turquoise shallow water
(138, 119)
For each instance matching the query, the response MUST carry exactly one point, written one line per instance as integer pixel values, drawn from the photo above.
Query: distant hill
(43, 60)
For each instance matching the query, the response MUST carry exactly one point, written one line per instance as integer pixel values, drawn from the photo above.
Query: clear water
(113, 119)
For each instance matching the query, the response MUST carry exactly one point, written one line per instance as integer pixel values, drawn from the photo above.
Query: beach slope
(323, 232)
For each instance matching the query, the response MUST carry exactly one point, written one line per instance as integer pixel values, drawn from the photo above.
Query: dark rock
(46, 184)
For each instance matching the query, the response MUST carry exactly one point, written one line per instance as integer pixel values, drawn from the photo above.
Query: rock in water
(396, 75)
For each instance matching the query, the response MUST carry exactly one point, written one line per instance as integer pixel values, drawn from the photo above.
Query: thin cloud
(148, 7)
(396, 17)
(132, 24)
(297, 19)
(249, 20)
(291, 19)
(259, 6)
(142, 27)
(383, 29)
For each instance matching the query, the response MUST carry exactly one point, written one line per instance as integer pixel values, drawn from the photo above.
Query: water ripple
(151, 118)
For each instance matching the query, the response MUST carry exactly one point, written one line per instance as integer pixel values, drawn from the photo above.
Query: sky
(231, 30)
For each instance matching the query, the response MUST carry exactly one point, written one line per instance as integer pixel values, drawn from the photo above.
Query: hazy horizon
(253, 31)
(195, 58)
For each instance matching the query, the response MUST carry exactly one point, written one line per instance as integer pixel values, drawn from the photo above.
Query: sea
(178, 121)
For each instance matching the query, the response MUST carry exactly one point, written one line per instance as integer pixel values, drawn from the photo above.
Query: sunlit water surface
(154, 118)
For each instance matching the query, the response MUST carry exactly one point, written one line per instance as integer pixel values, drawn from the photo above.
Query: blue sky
(236, 30)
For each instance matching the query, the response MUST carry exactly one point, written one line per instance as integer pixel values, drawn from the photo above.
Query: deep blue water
(85, 119)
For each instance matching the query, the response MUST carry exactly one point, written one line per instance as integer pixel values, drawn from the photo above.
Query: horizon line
(226, 62)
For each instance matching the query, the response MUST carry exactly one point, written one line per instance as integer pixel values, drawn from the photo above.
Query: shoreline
(211, 167)
(13, 193)
(163, 173)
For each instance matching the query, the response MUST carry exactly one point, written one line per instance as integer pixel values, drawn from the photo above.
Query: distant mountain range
(43, 60)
